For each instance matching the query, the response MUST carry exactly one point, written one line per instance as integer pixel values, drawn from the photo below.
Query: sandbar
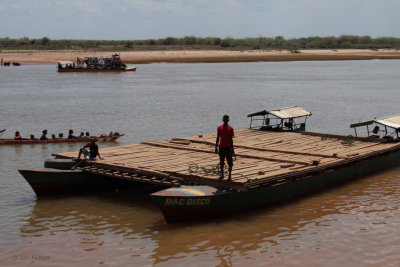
(48, 57)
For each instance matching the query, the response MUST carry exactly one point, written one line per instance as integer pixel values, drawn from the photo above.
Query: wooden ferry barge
(93, 64)
(271, 166)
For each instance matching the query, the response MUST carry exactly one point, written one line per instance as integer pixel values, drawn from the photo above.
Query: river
(354, 224)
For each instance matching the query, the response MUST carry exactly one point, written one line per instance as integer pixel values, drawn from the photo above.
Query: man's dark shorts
(225, 152)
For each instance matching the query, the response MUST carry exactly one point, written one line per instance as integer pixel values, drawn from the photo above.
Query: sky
(154, 19)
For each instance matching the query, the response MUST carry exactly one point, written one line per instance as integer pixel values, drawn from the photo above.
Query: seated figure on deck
(88, 155)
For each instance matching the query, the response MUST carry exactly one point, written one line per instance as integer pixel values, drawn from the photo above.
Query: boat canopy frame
(283, 119)
(391, 122)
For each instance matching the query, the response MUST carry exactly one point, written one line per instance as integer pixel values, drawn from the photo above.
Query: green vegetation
(254, 58)
(192, 42)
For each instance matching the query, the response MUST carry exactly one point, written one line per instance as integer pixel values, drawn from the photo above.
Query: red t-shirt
(225, 133)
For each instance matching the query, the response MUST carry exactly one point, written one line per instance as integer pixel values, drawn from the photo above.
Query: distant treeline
(192, 42)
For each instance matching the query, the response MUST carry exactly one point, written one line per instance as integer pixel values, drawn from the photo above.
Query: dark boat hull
(50, 181)
(57, 141)
(96, 70)
(210, 202)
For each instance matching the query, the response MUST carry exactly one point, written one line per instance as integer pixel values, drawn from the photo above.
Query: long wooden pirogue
(4, 141)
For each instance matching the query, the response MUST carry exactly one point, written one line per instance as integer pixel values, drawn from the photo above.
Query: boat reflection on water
(105, 205)
(123, 225)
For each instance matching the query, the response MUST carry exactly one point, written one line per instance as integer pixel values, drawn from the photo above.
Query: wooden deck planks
(261, 156)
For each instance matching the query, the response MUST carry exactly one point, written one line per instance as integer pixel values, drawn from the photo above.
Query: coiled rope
(214, 169)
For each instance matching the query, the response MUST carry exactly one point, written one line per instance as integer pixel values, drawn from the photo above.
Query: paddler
(225, 143)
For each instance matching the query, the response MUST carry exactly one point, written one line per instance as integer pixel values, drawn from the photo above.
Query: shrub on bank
(192, 42)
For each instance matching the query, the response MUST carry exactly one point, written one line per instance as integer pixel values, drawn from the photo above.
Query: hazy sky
(153, 19)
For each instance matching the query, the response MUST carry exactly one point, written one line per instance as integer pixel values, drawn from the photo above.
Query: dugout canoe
(58, 141)
(52, 181)
(58, 178)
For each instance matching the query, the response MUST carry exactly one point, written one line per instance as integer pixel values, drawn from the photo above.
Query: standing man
(225, 141)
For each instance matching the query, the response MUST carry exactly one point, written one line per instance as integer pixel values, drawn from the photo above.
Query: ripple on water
(354, 224)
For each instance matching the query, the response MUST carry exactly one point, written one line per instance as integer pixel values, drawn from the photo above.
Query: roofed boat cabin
(290, 119)
(385, 128)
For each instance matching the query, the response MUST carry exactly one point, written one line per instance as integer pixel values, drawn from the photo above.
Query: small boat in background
(107, 138)
(93, 64)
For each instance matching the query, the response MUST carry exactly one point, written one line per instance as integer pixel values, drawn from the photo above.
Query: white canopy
(65, 62)
(284, 113)
(390, 121)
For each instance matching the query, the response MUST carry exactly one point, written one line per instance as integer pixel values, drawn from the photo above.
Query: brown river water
(354, 224)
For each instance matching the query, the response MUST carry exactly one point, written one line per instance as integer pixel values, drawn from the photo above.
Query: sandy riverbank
(43, 57)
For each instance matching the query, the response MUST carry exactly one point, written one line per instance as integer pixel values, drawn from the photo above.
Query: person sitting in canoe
(60, 136)
(32, 137)
(44, 137)
(17, 136)
(82, 135)
(92, 154)
(87, 135)
(71, 134)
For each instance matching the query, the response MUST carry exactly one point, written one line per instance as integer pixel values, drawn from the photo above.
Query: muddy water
(353, 224)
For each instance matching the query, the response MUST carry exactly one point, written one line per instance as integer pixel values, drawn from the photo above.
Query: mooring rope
(214, 169)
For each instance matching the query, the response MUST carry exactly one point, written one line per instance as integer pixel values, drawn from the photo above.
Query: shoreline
(50, 57)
